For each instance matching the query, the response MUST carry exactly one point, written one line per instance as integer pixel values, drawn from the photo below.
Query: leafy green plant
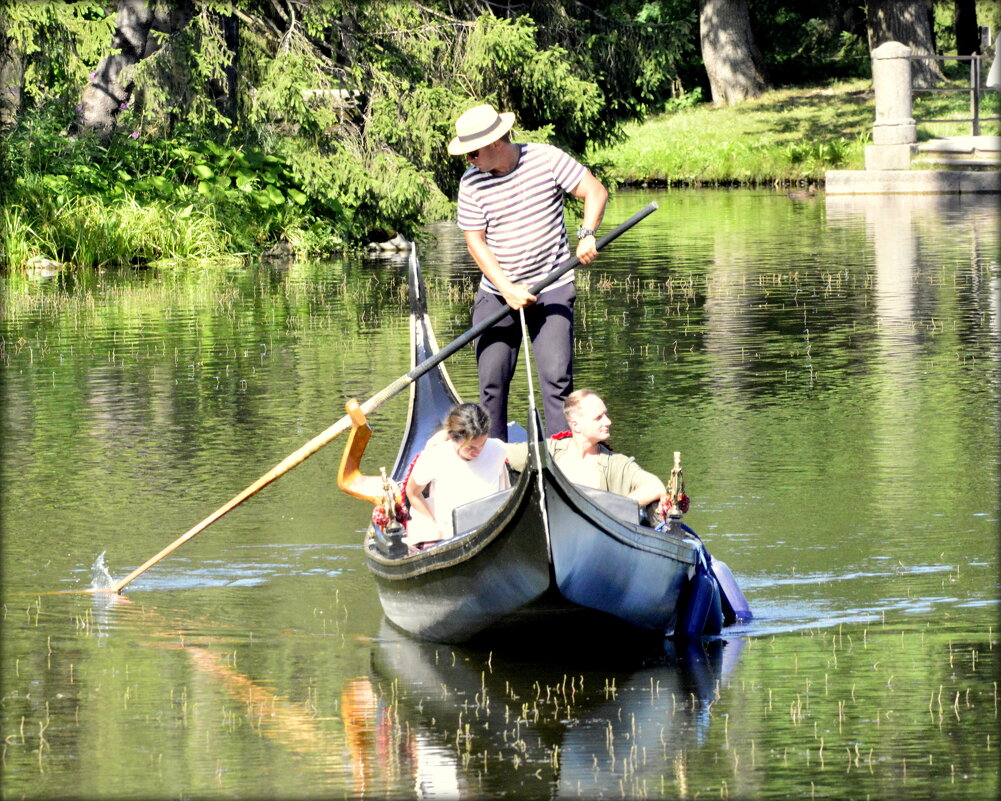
(321, 126)
(815, 157)
(15, 233)
(689, 100)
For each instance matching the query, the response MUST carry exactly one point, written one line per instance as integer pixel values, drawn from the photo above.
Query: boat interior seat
(474, 514)
(516, 432)
(620, 506)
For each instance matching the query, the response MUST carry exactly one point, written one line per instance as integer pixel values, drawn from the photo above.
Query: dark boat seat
(619, 506)
(474, 514)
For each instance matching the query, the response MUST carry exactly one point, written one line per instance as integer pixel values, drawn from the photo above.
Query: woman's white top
(454, 481)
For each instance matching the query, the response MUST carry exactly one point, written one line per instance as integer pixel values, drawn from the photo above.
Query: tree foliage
(805, 43)
(355, 100)
(349, 103)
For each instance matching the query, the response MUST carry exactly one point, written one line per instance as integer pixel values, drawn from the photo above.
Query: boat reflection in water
(545, 717)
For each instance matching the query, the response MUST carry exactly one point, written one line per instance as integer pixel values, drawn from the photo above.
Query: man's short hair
(574, 399)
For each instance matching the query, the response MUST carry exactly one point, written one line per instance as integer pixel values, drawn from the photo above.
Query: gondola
(495, 568)
(545, 548)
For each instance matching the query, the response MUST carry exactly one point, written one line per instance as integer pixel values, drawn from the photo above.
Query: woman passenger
(459, 465)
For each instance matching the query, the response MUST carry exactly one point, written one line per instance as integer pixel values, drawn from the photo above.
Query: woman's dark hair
(467, 421)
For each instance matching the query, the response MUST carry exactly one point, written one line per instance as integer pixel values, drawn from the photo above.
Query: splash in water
(101, 578)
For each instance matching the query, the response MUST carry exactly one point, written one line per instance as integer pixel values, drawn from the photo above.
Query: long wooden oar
(373, 403)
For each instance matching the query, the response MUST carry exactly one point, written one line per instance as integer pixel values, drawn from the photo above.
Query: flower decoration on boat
(684, 502)
(380, 515)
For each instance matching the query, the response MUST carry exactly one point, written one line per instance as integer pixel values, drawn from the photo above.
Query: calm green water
(827, 368)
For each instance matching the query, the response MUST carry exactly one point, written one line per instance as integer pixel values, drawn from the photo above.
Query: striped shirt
(522, 213)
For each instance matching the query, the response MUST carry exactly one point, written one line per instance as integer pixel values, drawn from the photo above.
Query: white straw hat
(478, 127)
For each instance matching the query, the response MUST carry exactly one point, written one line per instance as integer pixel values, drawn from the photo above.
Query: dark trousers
(550, 327)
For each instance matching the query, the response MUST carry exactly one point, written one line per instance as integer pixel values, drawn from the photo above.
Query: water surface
(827, 368)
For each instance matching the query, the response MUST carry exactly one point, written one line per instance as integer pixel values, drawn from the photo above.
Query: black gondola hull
(602, 562)
(463, 586)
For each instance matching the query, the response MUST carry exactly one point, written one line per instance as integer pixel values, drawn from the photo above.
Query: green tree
(967, 30)
(108, 87)
(804, 43)
(346, 104)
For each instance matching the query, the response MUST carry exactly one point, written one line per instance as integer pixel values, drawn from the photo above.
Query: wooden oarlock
(350, 479)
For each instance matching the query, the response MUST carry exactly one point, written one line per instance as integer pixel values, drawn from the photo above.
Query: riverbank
(181, 200)
(787, 136)
(784, 137)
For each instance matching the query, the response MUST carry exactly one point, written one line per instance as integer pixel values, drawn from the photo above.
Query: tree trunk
(11, 81)
(908, 22)
(732, 60)
(109, 90)
(224, 92)
(967, 32)
(168, 19)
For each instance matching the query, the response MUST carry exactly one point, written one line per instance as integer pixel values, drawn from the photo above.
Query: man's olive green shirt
(617, 472)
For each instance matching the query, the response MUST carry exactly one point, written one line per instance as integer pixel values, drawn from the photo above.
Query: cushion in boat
(620, 506)
(474, 514)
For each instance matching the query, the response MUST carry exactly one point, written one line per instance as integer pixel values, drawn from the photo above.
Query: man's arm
(516, 295)
(593, 193)
(650, 490)
(626, 477)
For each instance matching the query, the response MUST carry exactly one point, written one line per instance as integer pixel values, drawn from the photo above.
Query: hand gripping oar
(373, 403)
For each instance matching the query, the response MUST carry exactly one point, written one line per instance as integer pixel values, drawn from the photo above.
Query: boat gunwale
(641, 538)
(455, 550)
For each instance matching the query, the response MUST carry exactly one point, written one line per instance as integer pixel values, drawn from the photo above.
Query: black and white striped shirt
(522, 212)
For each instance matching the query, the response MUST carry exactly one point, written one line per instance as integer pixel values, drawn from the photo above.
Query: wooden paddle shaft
(292, 460)
(327, 436)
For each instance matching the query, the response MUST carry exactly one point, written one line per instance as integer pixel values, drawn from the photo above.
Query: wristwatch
(582, 232)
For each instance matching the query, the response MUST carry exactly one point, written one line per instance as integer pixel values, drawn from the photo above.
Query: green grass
(92, 232)
(954, 105)
(787, 136)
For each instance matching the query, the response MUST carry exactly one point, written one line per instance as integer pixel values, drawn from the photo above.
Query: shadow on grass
(804, 114)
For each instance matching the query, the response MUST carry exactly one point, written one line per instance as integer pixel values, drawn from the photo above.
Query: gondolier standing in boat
(511, 212)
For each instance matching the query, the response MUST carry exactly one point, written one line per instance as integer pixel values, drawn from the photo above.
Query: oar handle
(373, 403)
(464, 339)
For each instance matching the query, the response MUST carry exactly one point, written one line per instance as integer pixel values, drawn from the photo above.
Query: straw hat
(478, 127)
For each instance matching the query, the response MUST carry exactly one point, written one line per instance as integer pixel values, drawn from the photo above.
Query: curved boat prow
(432, 394)
(712, 585)
(735, 606)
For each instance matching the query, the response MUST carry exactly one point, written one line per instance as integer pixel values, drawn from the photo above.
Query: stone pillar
(894, 131)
